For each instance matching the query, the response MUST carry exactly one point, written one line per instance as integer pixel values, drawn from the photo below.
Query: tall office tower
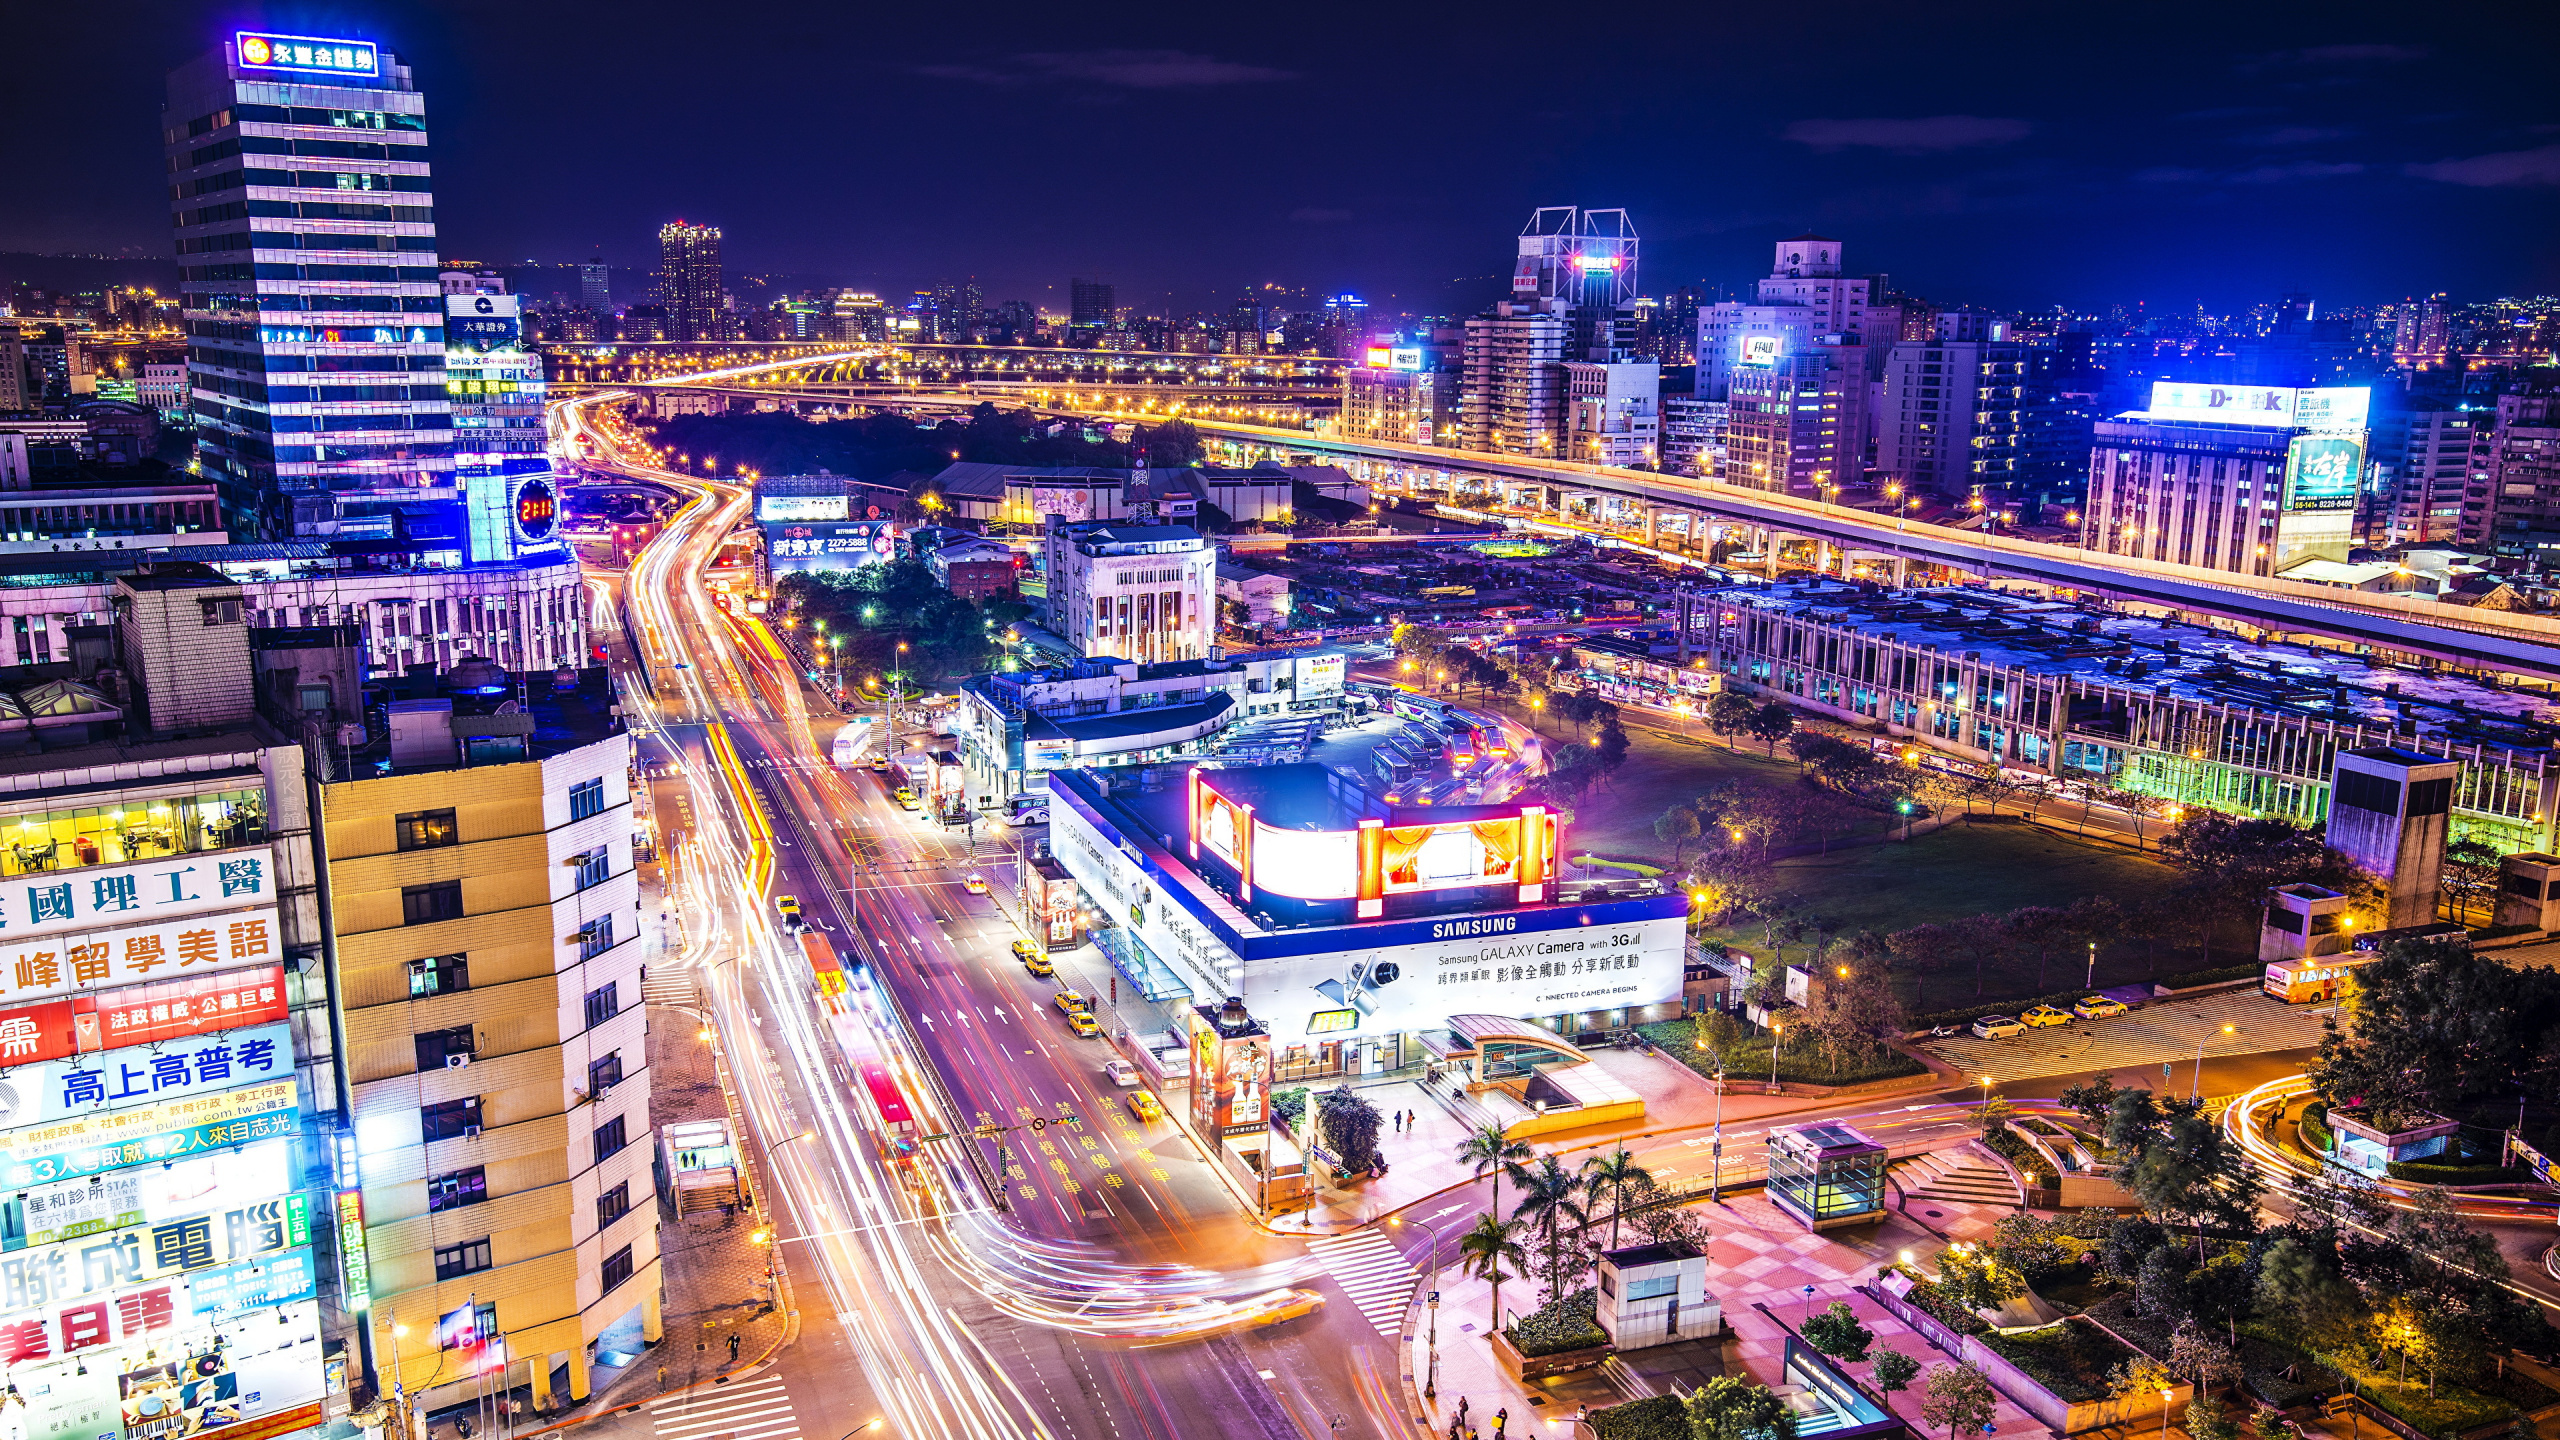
(1795, 421)
(298, 185)
(1090, 305)
(957, 308)
(1581, 265)
(857, 315)
(595, 286)
(2429, 454)
(689, 281)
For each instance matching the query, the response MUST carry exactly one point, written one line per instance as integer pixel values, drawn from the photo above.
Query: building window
(595, 937)
(462, 1187)
(427, 904)
(426, 830)
(439, 975)
(450, 1119)
(586, 798)
(609, 1139)
(613, 1204)
(603, 1003)
(604, 1074)
(468, 1258)
(594, 868)
(438, 1049)
(617, 1268)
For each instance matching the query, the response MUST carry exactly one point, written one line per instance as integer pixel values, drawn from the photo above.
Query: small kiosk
(1826, 1175)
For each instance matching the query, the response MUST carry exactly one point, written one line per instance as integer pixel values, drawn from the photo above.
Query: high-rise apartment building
(2524, 476)
(1807, 299)
(1786, 420)
(595, 286)
(2419, 337)
(689, 283)
(1512, 391)
(1613, 412)
(1401, 394)
(2432, 470)
(486, 941)
(305, 225)
(1091, 305)
(1693, 435)
(857, 315)
(2251, 479)
(1952, 407)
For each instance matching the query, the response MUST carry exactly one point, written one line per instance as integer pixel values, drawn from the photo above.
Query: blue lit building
(305, 227)
(500, 456)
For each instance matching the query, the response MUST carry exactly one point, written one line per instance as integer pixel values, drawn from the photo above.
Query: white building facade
(1134, 592)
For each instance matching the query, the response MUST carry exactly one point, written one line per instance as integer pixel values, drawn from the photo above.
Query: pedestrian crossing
(668, 985)
(1372, 1272)
(758, 1409)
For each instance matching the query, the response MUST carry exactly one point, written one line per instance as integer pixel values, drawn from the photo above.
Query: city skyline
(2361, 162)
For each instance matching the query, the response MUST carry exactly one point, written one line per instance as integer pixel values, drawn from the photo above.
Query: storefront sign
(166, 1130)
(53, 1089)
(355, 1261)
(107, 959)
(96, 1264)
(148, 1194)
(98, 897)
(140, 1015)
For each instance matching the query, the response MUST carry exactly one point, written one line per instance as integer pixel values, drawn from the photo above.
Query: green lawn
(1746, 1058)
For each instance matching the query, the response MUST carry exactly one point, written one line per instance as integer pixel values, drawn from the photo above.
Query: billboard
(104, 1140)
(170, 1009)
(147, 1194)
(1319, 675)
(1763, 349)
(2323, 472)
(2275, 406)
(1450, 857)
(1390, 989)
(1230, 1080)
(478, 324)
(104, 959)
(537, 511)
(108, 895)
(262, 50)
(804, 507)
(824, 545)
(93, 1265)
(53, 1089)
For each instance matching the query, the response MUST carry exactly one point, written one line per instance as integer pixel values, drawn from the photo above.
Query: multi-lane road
(1093, 1307)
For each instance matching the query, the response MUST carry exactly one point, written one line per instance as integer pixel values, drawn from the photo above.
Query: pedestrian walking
(733, 1349)
(1462, 1407)
(1501, 1419)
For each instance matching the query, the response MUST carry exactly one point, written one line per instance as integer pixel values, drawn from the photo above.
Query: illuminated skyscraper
(689, 281)
(306, 238)
(1090, 305)
(595, 286)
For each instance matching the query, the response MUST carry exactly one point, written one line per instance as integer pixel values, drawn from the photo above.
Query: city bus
(2313, 979)
(824, 965)
(898, 1129)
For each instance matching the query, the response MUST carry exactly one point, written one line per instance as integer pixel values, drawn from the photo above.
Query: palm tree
(1483, 1252)
(1547, 1200)
(1487, 1148)
(1613, 1173)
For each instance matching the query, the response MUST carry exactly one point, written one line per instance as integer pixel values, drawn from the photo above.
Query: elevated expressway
(2494, 641)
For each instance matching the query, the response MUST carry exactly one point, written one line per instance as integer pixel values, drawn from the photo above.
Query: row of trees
(863, 615)
(1553, 1233)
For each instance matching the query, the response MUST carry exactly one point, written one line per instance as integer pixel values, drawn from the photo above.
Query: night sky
(2012, 155)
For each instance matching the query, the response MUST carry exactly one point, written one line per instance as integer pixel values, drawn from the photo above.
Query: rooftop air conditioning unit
(456, 1062)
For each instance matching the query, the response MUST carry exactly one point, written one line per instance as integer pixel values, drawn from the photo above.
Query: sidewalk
(1421, 1163)
(1758, 1257)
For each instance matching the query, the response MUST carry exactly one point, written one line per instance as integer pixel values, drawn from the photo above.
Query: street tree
(2037, 928)
(1611, 1176)
(1983, 939)
(2183, 1168)
(1492, 1252)
(1976, 1279)
(1894, 1371)
(2230, 864)
(1854, 1014)
(1676, 827)
(1918, 951)
(1550, 1200)
(1349, 1126)
(1957, 1397)
(2430, 1024)
(1771, 723)
(1732, 1407)
(1487, 1150)
(1729, 714)
(1834, 1330)
(2208, 1419)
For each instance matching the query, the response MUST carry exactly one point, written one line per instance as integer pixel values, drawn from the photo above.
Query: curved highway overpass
(2494, 641)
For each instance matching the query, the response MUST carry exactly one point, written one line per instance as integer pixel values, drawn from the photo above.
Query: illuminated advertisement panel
(200, 1372)
(148, 1194)
(1306, 864)
(106, 1140)
(53, 1089)
(1450, 857)
(92, 1265)
(110, 895)
(105, 959)
(2323, 472)
(474, 325)
(1224, 827)
(1763, 349)
(1230, 1079)
(2281, 406)
(310, 54)
(170, 1009)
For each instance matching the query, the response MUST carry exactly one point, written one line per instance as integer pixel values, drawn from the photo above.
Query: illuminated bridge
(1678, 516)
(893, 374)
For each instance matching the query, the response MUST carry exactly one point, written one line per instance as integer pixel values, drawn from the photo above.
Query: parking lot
(2161, 1031)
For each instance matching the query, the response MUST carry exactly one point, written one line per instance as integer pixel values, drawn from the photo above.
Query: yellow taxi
(1082, 1023)
(906, 799)
(1275, 1306)
(2098, 1007)
(2045, 1015)
(1032, 959)
(1145, 1106)
(788, 907)
(975, 883)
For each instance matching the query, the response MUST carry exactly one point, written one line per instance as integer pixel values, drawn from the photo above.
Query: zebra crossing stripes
(754, 1410)
(668, 985)
(1372, 1272)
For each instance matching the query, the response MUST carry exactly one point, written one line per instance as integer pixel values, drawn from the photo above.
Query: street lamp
(2090, 981)
(1777, 1036)
(2196, 1089)
(1431, 1371)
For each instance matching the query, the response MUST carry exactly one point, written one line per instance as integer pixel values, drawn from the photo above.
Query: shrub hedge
(2315, 1127)
(1565, 1323)
(1661, 1417)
